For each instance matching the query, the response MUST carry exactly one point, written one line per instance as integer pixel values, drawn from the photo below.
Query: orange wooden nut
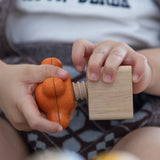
(55, 96)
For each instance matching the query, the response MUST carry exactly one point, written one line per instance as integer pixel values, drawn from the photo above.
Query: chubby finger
(80, 50)
(97, 60)
(138, 63)
(35, 120)
(39, 73)
(114, 60)
(143, 78)
(139, 68)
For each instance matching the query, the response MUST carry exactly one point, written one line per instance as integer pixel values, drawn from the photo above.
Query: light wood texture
(80, 90)
(112, 101)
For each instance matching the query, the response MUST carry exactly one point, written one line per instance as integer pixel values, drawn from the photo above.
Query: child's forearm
(153, 57)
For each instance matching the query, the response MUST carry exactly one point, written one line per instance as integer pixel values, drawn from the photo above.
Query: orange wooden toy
(55, 96)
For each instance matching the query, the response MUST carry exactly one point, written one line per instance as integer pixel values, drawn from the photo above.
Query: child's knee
(144, 143)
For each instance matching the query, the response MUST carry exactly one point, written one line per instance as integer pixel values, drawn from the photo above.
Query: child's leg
(11, 145)
(144, 143)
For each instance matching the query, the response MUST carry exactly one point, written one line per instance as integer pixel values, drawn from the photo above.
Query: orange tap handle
(55, 97)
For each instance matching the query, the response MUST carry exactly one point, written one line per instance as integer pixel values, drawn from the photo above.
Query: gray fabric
(41, 50)
(5, 48)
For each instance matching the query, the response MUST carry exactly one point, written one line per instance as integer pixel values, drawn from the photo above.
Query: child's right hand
(110, 55)
(17, 84)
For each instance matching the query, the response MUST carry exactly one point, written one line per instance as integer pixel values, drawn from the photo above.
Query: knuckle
(117, 53)
(46, 69)
(110, 67)
(121, 44)
(93, 64)
(100, 51)
(108, 41)
(79, 41)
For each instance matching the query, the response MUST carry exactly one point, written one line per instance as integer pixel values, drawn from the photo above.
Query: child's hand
(111, 55)
(17, 84)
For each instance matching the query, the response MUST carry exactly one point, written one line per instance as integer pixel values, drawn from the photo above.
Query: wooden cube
(112, 101)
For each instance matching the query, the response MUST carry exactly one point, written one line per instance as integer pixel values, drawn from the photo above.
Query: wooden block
(112, 101)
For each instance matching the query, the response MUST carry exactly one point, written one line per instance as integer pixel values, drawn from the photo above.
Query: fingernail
(107, 78)
(79, 68)
(60, 128)
(93, 77)
(135, 77)
(62, 73)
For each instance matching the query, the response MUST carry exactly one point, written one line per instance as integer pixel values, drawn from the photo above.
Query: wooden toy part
(80, 90)
(112, 101)
(108, 101)
(55, 96)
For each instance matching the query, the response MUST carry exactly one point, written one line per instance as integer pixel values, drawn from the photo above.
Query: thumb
(39, 73)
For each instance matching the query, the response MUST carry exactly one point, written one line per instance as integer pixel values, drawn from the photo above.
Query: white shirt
(136, 22)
